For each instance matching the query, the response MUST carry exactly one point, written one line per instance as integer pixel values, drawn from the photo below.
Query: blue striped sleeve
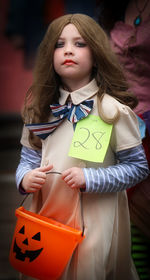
(132, 168)
(30, 159)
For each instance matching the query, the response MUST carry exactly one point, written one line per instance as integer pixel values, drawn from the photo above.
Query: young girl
(78, 78)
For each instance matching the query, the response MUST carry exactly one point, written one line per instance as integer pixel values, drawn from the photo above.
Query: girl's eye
(80, 44)
(59, 44)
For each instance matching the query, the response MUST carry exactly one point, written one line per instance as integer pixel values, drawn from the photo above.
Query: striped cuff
(30, 159)
(131, 169)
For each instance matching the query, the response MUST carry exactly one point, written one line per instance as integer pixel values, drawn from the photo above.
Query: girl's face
(73, 60)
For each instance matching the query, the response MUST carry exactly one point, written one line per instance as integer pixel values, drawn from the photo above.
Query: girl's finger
(68, 182)
(65, 173)
(67, 178)
(41, 175)
(35, 186)
(39, 180)
(32, 190)
(45, 168)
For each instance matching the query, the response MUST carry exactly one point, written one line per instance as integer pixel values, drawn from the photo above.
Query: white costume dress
(105, 252)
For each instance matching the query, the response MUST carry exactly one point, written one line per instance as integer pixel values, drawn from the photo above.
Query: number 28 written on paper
(91, 139)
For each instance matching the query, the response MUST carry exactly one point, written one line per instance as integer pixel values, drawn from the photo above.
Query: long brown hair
(106, 70)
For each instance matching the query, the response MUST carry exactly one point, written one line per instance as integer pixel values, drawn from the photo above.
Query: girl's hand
(34, 179)
(74, 177)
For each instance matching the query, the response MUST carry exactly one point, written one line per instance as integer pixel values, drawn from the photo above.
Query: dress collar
(79, 95)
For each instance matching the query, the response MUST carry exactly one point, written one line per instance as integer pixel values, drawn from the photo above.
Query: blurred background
(22, 26)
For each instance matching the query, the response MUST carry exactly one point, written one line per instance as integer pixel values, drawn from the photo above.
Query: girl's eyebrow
(74, 38)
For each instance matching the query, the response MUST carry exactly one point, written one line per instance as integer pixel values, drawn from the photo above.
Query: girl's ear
(107, 108)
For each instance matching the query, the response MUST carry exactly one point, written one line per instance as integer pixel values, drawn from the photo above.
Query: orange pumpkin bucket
(41, 247)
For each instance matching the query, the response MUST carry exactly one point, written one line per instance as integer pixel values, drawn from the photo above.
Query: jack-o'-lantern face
(27, 247)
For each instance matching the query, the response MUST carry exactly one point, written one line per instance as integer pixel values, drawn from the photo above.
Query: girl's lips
(69, 62)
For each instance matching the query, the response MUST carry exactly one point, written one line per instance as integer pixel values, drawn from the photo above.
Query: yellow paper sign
(91, 139)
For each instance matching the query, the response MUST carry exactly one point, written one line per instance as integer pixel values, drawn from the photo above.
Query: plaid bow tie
(74, 113)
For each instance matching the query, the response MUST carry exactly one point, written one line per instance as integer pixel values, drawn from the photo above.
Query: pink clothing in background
(132, 46)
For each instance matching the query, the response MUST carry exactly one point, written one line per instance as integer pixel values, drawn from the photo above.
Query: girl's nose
(68, 52)
(68, 49)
